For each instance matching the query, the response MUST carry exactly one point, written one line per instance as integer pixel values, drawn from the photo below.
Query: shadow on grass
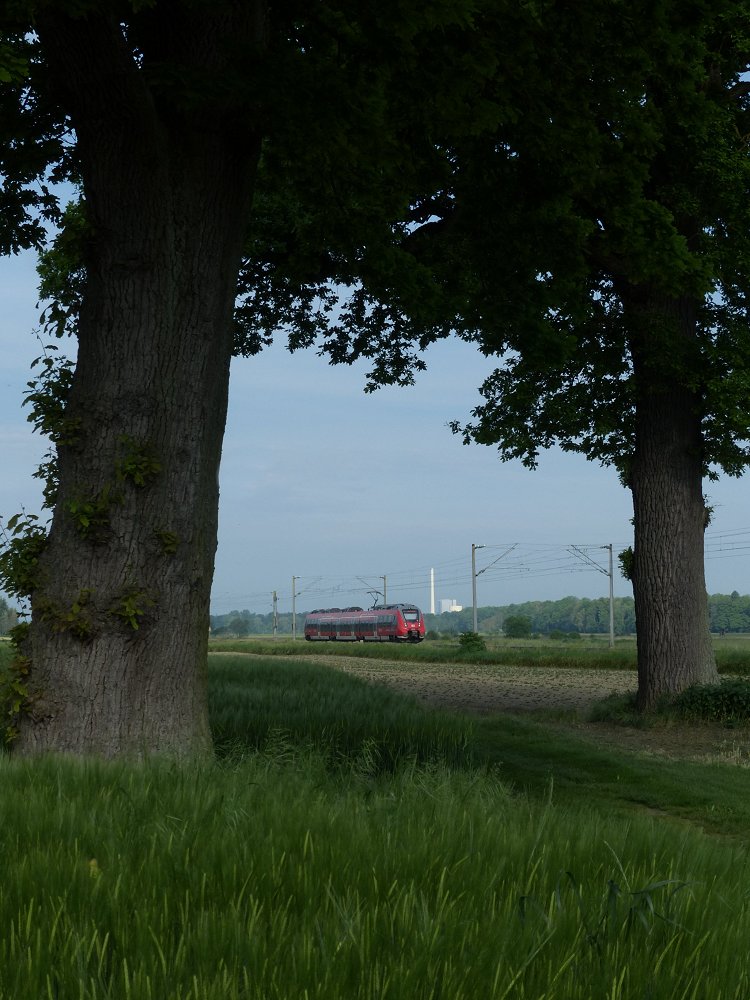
(254, 703)
(257, 704)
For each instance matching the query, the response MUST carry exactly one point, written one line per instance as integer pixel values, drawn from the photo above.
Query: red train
(383, 623)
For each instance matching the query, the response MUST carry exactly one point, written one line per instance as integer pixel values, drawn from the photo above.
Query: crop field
(589, 652)
(550, 681)
(362, 834)
(483, 688)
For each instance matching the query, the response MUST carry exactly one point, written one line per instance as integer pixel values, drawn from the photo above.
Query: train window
(412, 616)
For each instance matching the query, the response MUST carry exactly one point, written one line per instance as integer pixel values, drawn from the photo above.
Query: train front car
(410, 622)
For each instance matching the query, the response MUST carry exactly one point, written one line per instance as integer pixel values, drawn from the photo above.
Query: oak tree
(621, 312)
(591, 235)
(165, 111)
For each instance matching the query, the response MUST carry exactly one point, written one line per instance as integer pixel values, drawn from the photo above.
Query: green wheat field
(347, 843)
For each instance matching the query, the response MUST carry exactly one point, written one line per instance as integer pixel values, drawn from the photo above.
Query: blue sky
(338, 488)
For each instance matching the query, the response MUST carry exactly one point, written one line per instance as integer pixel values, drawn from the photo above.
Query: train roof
(378, 607)
(393, 607)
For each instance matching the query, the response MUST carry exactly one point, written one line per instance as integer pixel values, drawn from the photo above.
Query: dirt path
(484, 690)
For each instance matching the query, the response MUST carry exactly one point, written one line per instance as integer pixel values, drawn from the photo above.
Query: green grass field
(348, 843)
(500, 651)
(732, 651)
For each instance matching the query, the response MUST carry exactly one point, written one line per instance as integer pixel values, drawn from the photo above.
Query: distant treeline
(569, 614)
(7, 617)
(728, 613)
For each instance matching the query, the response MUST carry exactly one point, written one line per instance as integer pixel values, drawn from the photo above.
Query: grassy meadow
(347, 843)
(732, 651)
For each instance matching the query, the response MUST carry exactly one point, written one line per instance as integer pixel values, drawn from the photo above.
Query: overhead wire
(530, 560)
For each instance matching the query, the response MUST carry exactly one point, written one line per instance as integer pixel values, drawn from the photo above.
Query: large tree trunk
(120, 612)
(670, 516)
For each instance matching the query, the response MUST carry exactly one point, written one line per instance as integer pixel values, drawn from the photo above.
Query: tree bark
(670, 516)
(120, 613)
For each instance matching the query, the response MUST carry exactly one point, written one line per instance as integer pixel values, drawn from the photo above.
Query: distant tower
(432, 591)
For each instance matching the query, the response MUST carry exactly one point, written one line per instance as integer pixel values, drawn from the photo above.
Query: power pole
(375, 594)
(474, 573)
(611, 600)
(275, 615)
(474, 581)
(576, 551)
(294, 607)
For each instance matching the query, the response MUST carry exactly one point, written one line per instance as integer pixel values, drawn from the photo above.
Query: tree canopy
(604, 149)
